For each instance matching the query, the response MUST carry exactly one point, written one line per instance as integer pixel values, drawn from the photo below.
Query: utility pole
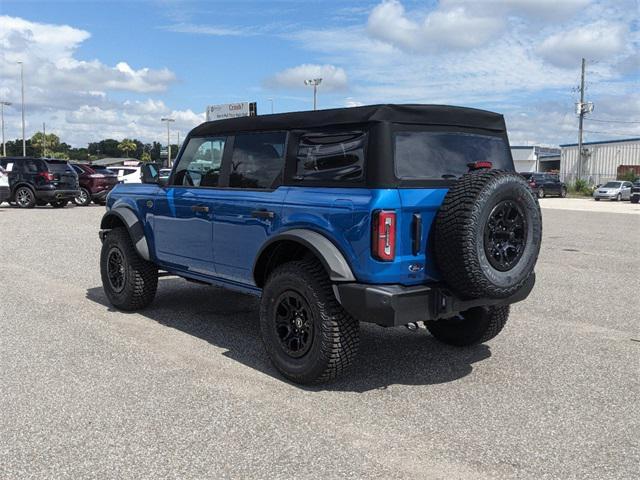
(24, 142)
(4, 145)
(44, 140)
(582, 112)
(168, 120)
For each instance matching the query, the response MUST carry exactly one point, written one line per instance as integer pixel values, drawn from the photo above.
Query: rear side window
(446, 155)
(331, 156)
(257, 160)
(57, 166)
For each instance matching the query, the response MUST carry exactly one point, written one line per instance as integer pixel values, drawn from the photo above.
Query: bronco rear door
(427, 161)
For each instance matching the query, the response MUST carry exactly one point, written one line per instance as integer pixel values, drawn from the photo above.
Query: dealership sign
(231, 110)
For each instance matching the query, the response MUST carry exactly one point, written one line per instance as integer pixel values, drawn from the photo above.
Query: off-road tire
(59, 203)
(335, 338)
(461, 228)
(472, 327)
(84, 200)
(27, 196)
(635, 199)
(140, 276)
(597, 199)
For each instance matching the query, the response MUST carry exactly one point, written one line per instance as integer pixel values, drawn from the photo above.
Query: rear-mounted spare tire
(487, 234)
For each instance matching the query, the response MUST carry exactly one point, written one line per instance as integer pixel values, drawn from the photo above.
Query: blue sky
(96, 69)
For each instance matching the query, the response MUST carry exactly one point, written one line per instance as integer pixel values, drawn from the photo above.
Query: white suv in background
(5, 192)
(127, 174)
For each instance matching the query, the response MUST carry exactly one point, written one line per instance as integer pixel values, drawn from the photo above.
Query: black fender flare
(329, 255)
(130, 220)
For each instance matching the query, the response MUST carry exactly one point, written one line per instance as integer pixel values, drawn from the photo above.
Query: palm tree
(127, 146)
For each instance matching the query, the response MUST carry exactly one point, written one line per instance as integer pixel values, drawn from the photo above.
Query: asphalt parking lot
(185, 390)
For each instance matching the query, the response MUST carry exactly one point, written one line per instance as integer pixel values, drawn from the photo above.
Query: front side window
(446, 155)
(331, 156)
(200, 162)
(257, 160)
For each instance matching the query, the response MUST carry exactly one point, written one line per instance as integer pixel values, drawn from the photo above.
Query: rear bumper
(394, 305)
(53, 195)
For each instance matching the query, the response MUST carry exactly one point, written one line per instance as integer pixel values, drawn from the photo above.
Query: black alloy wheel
(505, 235)
(116, 269)
(294, 324)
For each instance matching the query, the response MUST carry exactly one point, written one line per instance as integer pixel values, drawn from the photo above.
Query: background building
(600, 160)
(535, 159)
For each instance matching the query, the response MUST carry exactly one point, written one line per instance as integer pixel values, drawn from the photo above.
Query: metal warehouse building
(535, 158)
(600, 160)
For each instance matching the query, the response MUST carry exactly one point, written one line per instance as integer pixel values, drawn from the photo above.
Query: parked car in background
(127, 174)
(635, 192)
(38, 181)
(543, 184)
(95, 183)
(4, 185)
(164, 174)
(615, 190)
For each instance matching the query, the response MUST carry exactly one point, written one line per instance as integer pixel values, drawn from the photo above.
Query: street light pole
(4, 145)
(24, 142)
(271, 101)
(168, 120)
(314, 83)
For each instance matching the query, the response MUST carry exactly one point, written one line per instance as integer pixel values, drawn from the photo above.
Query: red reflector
(384, 235)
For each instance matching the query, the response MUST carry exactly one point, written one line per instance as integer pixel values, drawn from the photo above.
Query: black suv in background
(38, 181)
(543, 184)
(635, 192)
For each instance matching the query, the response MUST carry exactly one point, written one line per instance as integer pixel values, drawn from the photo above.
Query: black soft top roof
(409, 114)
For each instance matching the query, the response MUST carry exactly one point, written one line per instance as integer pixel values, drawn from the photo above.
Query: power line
(608, 133)
(612, 121)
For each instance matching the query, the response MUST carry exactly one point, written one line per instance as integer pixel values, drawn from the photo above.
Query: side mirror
(149, 173)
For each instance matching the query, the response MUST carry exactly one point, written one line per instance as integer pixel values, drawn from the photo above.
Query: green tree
(127, 146)
(145, 157)
(50, 142)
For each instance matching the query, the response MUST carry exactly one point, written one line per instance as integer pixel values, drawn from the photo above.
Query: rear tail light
(48, 176)
(479, 165)
(383, 235)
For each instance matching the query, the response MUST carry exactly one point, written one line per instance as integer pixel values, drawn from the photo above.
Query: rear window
(331, 156)
(445, 155)
(58, 166)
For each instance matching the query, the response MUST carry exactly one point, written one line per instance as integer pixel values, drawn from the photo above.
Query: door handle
(264, 214)
(200, 208)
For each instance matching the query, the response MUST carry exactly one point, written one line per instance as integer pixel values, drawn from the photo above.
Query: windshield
(444, 155)
(612, 185)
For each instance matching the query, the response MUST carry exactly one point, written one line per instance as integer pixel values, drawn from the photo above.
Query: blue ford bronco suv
(391, 214)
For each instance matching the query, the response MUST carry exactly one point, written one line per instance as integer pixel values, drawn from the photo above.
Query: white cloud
(550, 10)
(212, 30)
(333, 78)
(442, 28)
(597, 41)
(48, 55)
(73, 95)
